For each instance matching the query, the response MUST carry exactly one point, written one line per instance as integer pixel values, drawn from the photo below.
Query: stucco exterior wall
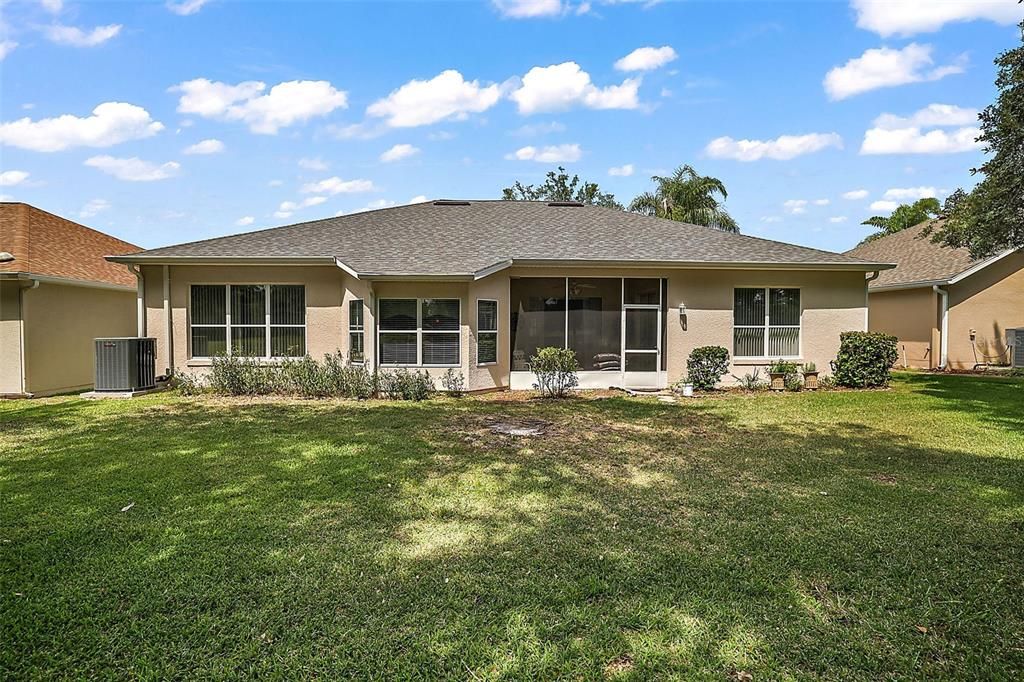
(61, 321)
(912, 316)
(989, 302)
(832, 302)
(10, 338)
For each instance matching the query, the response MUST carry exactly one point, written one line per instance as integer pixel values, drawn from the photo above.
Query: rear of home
(479, 286)
(57, 293)
(947, 309)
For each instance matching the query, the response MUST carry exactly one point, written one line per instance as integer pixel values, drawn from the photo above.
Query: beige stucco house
(57, 293)
(948, 310)
(480, 285)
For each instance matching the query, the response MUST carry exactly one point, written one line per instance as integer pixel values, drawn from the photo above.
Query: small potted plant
(778, 371)
(685, 386)
(810, 371)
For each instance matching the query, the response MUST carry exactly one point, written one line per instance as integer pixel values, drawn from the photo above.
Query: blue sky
(167, 122)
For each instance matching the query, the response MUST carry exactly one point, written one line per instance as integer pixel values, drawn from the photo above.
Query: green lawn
(834, 535)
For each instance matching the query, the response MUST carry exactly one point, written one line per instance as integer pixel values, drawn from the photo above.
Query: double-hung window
(256, 320)
(356, 332)
(419, 331)
(486, 332)
(766, 323)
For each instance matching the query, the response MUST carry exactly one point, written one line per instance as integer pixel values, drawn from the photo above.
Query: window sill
(750, 362)
(487, 364)
(208, 362)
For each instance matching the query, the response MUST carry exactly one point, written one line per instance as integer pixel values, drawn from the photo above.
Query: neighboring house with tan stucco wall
(57, 293)
(478, 286)
(946, 308)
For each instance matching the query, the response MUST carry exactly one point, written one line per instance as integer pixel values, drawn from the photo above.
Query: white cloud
(336, 185)
(893, 134)
(6, 47)
(76, 37)
(245, 220)
(440, 136)
(771, 219)
(885, 67)
(529, 9)
(52, 6)
(287, 208)
(855, 194)
(375, 205)
(558, 153)
(93, 207)
(418, 199)
(561, 86)
(884, 205)
(111, 123)
(275, 183)
(210, 146)
(646, 59)
(932, 115)
(822, 202)
(837, 219)
(907, 17)
(795, 206)
(283, 105)
(623, 171)
(186, 7)
(913, 193)
(13, 177)
(446, 96)
(398, 152)
(536, 129)
(133, 169)
(781, 148)
(314, 164)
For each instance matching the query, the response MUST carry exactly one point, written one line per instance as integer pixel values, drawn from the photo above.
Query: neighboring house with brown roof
(946, 308)
(479, 286)
(57, 293)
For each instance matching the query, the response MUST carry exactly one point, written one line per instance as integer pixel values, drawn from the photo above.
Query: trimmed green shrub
(240, 375)
(706, 366)
(555, 369)
(189, 384)
(453, 383)
(401, 384)
(865, 359)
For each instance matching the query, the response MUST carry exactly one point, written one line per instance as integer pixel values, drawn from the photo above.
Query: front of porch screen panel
(581, 313)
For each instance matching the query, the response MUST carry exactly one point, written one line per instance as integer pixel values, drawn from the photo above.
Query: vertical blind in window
(486, 332)
(419, 331)
(356, 338)
(258, 320)
(766, 322)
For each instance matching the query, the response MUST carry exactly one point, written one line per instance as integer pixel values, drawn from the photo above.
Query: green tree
(904, 216)
(990, 218)
(558, 186)
(688, 197)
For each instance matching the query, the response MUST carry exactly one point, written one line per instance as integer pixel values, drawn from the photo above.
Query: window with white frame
(766, 322)
(486, 332)
(356, 332)
(257, 320)
(419, 331)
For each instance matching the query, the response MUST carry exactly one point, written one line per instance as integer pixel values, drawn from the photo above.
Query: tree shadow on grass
(998, 400)
(635, 539)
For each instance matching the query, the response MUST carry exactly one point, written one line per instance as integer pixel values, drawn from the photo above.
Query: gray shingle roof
(432, 239)
(919, 260)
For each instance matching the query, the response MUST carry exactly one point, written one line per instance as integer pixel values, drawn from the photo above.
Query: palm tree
(904, 216)
(688, 197)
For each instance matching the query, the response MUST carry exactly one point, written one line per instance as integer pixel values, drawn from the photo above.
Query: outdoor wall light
(682, 310)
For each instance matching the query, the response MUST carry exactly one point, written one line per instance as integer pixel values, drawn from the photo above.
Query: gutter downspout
(870, 278)
(140, 296)
(21, 335)
(944, 333)
(167, 320)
